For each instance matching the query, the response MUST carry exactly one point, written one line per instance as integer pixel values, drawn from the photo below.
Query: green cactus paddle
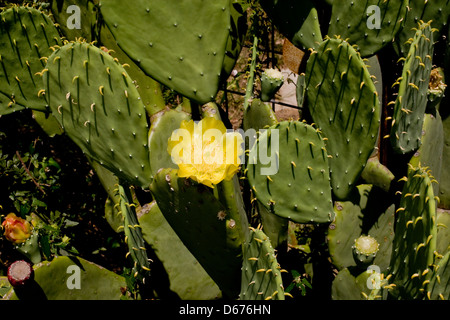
(27, 36)
(95, 101)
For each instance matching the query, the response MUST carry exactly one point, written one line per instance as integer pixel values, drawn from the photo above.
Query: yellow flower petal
(205, 152)
(212, 123)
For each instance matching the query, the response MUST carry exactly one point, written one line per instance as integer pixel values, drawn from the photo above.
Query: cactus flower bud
(16, 229)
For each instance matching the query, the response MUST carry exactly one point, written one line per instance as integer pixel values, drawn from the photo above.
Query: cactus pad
(187, 277)
(411, 102)
(429, 153)
(439, 286)
(26, 38)
(363, 214)
(95, 282)
(426, 10)
(261, 276)
(415, 235)
(180, 44)
(133, 235)
(94, 100)
(370, 25)
(297, 186)
(259, 115)
(203, 224)
(344, 104)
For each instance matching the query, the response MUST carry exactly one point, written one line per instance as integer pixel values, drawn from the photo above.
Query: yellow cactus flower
(16, 229)
(205, 152)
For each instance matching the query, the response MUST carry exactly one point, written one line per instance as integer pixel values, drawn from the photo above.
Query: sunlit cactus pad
(74, 278)
(371, 25)
(344, 104)
(261, 276)
(295, 185)
(26, 38)
(179, 43)
(411, 103)
(96, 103)
(414, 243)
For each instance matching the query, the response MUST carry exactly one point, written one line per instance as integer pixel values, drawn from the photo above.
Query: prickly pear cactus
(259, 115)
(297, 20)
(187, 279)
(74, 278)
(444, 185)
(377, 174)
(26, 38)
(204, 225)
(443, 231)
(344, 104)
(150, 90)
(414, 243)
(365, 214)
(30, 248)
(261, 276)
(71, 25)
(349, 285)
(435, 10)
(411, 102)
(66, 278)
(238, 32)
(163, 39)
(96, 103)
(296, 183)
(370, 25)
